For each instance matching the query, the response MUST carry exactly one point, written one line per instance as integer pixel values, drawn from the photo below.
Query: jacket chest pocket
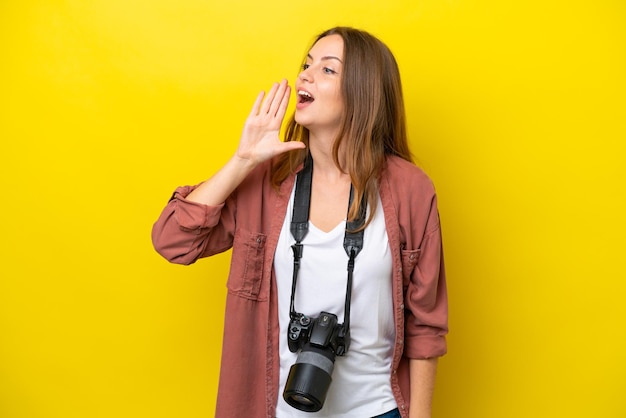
(247, 265)
(409, 261)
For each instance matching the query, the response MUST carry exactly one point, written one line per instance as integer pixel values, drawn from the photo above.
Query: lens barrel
(309, 378)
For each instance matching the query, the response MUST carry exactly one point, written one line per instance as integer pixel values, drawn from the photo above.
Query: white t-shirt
(361, 379)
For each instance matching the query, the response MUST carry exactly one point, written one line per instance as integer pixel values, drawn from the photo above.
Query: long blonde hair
(373, 125)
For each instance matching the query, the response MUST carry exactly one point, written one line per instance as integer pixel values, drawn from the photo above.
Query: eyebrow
(328, 57)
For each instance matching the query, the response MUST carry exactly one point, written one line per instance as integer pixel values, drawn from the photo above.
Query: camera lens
(309, 378)
(303, 400)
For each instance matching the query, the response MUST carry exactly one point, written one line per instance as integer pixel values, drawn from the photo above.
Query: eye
(305, 66)
(329, 71)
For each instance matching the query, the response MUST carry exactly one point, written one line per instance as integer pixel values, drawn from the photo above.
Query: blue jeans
(391, 414)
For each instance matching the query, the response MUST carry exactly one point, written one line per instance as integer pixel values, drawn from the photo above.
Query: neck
(322, 152)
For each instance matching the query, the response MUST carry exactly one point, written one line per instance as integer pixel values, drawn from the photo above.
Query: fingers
(275, 100)
(282, 108)
(280, 97)
(257, 104)
(265, 108)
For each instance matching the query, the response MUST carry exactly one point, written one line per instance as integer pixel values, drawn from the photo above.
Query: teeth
(304, 93)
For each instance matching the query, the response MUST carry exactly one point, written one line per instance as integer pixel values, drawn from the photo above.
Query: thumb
(293, 145)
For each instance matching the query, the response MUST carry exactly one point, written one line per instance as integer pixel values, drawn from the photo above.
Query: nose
(305, 75)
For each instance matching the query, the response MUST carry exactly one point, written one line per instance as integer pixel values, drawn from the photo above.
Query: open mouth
(304, 97)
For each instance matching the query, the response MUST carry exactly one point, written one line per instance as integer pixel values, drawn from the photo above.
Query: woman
(349, 129)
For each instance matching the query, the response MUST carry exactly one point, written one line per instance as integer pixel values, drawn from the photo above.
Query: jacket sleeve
(426, 297)
(186, 231)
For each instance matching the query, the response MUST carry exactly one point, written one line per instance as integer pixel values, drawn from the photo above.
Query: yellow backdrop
(516, 110)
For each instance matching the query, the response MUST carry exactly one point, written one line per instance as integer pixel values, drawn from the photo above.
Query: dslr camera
(317, 341)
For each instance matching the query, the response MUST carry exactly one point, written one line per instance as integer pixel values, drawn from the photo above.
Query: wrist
(243, 165)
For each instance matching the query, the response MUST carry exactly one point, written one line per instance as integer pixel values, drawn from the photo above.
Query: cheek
(339, 104)
(337, 98)
(340, 98)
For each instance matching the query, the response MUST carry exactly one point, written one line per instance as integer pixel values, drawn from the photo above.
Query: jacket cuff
(193, 215)
(425, 346)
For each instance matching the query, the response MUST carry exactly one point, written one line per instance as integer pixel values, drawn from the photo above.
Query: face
(319, 105)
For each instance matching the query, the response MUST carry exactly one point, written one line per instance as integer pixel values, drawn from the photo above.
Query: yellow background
(516, 110)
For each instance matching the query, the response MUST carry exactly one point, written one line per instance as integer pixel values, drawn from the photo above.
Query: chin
(301, 120)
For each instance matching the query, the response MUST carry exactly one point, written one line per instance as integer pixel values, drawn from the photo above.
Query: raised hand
(260, 141)
(260, 137)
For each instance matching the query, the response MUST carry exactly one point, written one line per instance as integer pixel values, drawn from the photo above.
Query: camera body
(323, 331)
(317, 341)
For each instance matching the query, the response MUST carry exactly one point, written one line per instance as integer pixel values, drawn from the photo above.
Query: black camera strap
(352, 241)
